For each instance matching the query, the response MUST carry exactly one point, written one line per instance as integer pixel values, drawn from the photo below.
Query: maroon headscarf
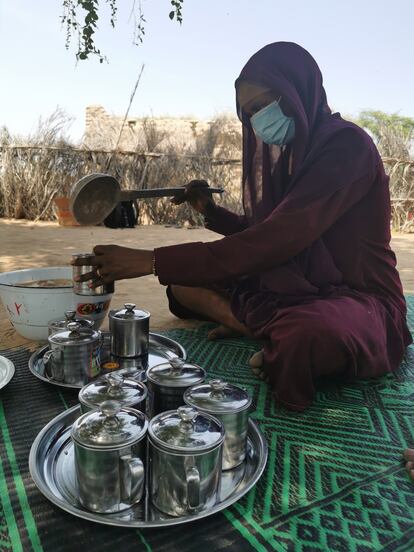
(290, 71)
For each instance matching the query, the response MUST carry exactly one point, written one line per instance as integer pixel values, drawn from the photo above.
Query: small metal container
(230, 404)
(185, 461)
(74, 355)
(70, 316)
(110, 455)
(82, 288)
(129, 329)
(115, 387)
(167, 382)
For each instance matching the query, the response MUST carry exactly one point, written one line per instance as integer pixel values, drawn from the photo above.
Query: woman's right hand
(197, 195)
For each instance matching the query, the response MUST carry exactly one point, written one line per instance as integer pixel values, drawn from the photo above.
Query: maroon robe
(310, 264)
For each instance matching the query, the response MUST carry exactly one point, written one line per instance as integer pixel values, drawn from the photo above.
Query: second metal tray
(161, 348)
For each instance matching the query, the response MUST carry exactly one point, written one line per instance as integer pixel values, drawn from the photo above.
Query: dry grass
(46, 165)
(396, 147)
(36, 169)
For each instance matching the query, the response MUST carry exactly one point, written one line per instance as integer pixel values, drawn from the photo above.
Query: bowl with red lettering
(33, 297)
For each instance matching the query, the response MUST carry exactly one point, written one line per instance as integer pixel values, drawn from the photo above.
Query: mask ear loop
(290, 168)
(272, 102)
(242, 114)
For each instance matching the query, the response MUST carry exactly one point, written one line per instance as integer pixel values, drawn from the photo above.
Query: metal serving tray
(161, 348)
(51, 465)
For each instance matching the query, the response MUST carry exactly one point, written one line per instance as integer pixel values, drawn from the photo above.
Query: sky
(365, 49)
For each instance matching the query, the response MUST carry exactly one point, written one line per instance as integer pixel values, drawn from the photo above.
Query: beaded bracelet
(154, 270)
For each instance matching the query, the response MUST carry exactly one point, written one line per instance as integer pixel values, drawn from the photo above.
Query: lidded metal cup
(185, 461)
(230, 404)
(82, 288)
(130, 331)
(186, 430)
(110, 452)
(74, 355)
(70, 316)
(116, 388)
(167, 382)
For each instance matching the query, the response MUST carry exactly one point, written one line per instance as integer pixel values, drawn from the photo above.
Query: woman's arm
(216, 218)
(222, 221)
(335, 181)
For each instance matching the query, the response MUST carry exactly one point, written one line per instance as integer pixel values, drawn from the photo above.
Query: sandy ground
(26, 245)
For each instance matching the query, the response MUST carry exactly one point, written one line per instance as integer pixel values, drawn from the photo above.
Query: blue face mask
(272, 126)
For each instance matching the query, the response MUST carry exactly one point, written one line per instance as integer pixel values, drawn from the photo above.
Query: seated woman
(308, 269)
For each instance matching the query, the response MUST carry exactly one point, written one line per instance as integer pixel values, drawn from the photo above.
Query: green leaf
(80, 19)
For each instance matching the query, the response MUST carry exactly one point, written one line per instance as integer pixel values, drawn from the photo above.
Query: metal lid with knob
(176, 373)
(112, 387)
(218, 397)
(129, 312)
(70, 316)
(110, 427)
(186, 430)
(74, 334)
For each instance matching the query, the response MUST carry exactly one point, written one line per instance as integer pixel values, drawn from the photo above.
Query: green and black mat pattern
(335, 479)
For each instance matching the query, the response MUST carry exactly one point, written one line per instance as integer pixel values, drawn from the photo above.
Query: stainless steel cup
(110, 456)
(82, 288)
(167, 382)
(230, 404)
(129, 331)
(114, 387)
(74, 355)
(185, 461)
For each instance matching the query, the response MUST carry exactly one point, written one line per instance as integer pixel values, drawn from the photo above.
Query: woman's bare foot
(409, 465)
(222, 332)
(256, 364)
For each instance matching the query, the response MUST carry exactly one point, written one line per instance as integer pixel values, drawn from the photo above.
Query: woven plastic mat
(335, 479)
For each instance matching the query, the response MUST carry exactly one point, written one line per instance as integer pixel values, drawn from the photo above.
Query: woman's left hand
(112, 262)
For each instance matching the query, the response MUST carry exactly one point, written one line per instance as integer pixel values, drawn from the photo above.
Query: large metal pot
(70, 316)
(110, 454)
(115, 387)
(130, 331)
(185, 461)
(74, 355)
(167, 382)
(230, 404)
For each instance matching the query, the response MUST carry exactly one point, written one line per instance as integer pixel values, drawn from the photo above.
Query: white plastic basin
(30, 309)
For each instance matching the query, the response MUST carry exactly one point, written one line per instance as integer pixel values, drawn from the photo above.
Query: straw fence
(401, 173)
(32, 176)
